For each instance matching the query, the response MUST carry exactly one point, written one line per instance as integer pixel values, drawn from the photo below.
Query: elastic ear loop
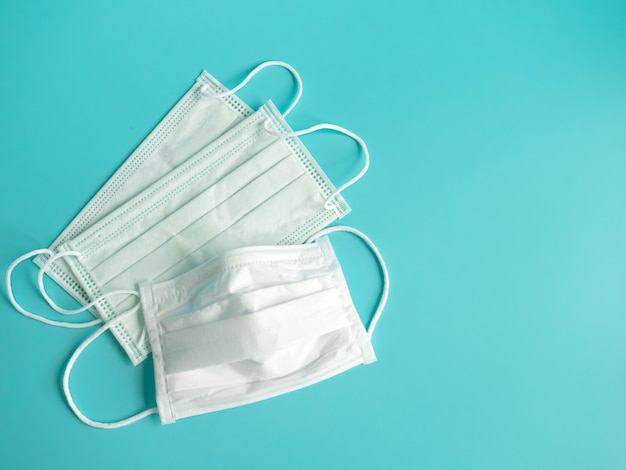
(342, 130)
(70, 365)
(381, 262)
(35, 316)
(256, 70)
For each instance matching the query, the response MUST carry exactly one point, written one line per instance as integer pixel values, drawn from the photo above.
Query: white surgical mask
(254, 185)
(250, 324)
(204, 113)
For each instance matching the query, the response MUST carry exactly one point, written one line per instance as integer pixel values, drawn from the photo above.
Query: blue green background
(496, 193)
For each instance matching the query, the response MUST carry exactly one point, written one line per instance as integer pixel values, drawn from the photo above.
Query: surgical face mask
(251, 324)
(255, 185)
(204, 113)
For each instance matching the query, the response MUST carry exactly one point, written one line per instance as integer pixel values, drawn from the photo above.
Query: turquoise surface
(496, 194)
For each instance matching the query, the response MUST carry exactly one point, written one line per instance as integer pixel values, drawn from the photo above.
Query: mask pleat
(166, 196)
(154, 261)
(189, 403)
(220, 305)
(256, 334)
(263, 224)
(234, 189)
(239, 271)
(280, 364)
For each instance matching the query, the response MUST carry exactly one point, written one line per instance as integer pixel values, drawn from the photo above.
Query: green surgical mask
(205, 112)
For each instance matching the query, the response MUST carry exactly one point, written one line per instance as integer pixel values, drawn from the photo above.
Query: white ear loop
(381, 262)
(342, 130)
(42, 289)
(35, 316)
(256, 70)
(68, 371)
(92, 337)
